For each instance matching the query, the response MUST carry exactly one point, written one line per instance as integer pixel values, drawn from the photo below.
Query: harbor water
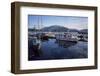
(53, 49)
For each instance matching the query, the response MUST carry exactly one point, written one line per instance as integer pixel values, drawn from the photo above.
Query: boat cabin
(67, 36)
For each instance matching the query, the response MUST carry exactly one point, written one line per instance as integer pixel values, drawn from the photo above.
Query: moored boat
(68, 36)
(36, 43)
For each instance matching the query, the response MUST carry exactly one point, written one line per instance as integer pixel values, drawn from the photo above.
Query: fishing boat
(83, 36)
(44, 37)
(67, 36)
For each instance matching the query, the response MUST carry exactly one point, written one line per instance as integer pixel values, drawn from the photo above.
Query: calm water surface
(52, 49)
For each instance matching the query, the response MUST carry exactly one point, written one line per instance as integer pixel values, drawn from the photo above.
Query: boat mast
(38, 27)
(41, 23)
(38, 23)
(34, 28)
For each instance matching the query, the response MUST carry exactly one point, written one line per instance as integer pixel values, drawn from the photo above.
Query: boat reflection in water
(54, 49)
(65, 44)
(34, 46)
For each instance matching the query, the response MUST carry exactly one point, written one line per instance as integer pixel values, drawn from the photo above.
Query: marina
(55, 41)
(56, 45)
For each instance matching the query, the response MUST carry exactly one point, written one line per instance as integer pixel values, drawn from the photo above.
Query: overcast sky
(72, 22)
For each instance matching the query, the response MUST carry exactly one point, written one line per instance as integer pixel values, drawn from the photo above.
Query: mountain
(84, 31)
(58, 28)
(55, 28)
(73, 30)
